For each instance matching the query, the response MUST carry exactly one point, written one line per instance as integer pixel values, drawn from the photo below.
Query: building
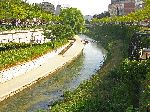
(47, 7)
(113, 1)
(58, 9)
(121, 1)
(116, 9)
(88, 17)
(145, 53)
(61, 7)
(65, 6)
(121, 7)
(139, 4)
(129, 7)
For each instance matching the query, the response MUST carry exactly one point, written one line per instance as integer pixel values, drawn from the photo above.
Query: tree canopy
(102, 15)
(18, 9)
(69, 23)
(74, 18)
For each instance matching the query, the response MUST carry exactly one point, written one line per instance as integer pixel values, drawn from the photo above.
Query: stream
(50, 89)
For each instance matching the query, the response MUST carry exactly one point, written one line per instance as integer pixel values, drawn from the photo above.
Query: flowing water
(42, 94)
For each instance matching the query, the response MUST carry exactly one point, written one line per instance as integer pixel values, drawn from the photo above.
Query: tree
(73, 18)
(18, 9)
(133, 74)
(58, 31)
(102, 15)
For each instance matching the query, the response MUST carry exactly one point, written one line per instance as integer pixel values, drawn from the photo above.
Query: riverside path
(21, 82)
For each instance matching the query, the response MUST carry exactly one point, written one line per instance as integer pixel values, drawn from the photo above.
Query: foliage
(109, 90)
(18, 9)
(95, 94)
(118, 86)
(57, 28)
(66, 25)
(102, 15)
(11, 46)
(25, 52)
(73, 18)
(145, 42)
(145, 99)
(58, 31)
(134, 75)
(108, 33)
(133, 71)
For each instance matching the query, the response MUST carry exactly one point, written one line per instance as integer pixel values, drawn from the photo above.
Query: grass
(12, 57)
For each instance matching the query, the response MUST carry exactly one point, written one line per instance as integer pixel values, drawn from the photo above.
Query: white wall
(25, 36)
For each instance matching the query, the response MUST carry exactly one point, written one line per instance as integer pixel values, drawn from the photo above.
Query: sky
(87, 7)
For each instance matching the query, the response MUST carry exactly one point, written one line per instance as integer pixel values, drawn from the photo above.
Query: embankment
(120, 85)
(105, 91)
(51, 65)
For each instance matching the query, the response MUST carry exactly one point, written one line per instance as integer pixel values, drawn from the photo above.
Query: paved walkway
(21, 82)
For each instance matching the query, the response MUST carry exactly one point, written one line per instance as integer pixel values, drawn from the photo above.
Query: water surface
(42, 94)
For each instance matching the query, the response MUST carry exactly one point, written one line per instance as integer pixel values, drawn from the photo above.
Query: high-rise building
(65, 6)
(121, 7)
(129, 7)
(58, 9)
(61, 7)
(47, 7)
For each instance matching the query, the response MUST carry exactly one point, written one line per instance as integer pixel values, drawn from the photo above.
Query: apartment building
(121, 7)
(124, 7)
(47, 7)
(58, 9)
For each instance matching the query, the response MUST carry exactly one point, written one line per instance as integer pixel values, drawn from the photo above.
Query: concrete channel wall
(21, 69)
(46, 68)
(25, 36)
